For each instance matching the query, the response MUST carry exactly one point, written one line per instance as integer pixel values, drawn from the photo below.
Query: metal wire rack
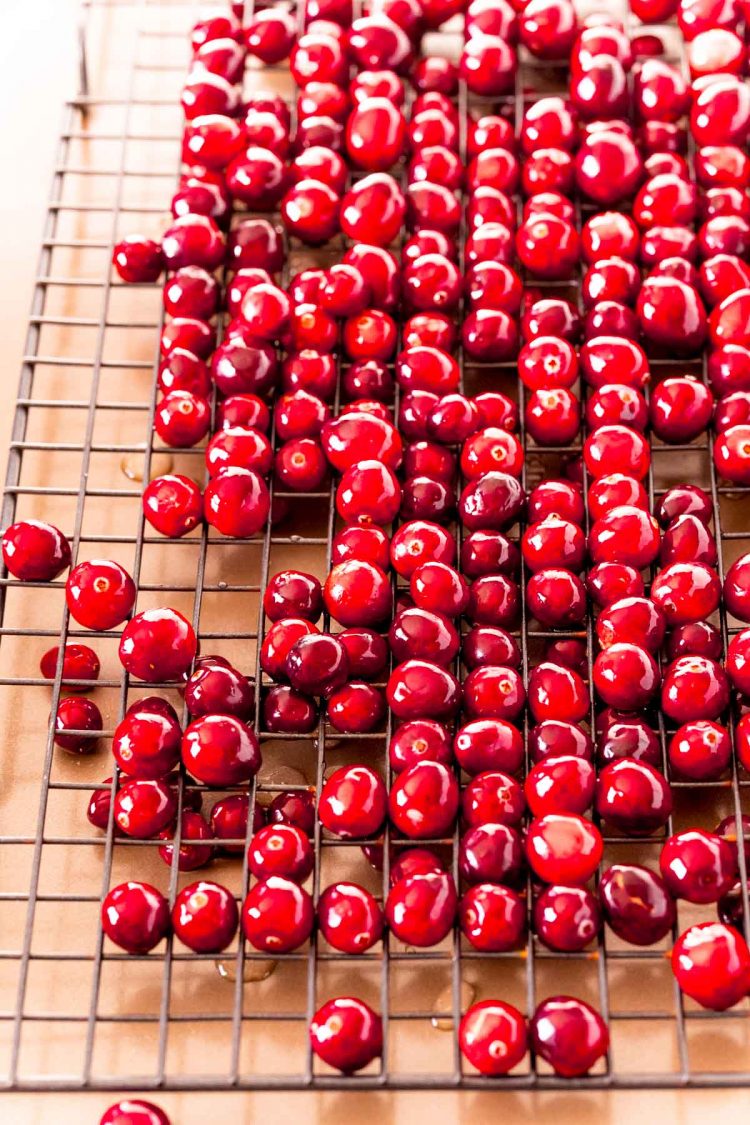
(79, 1015)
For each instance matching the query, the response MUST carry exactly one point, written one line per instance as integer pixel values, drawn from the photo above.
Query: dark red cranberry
(489, 644)
(76, 721)
(625, 535)
(353, 802)
(626, 676)
(349, 917)
(633, 797)
(215, 688)
(357, 593)
(417, 687)
(492, 918)
(345, 1033)
(79, 663)
(417, 741)
(135, 916)
(423, 800)
(698, 866)
(566, 919)
(494, 692)
(293, 593)
(367, 652)
(556, 598)
(286, 711)
(293, 807)
(553, 738)
(568, 1034)
(191, 855)
(636, 903)
(229, 820)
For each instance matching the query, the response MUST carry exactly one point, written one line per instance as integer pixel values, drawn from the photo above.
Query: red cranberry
(345, 1033)
(563, 784)
(138, 259)
(356, 708)
(636, 903)
(357, 593)
(220, 750)
(492, 918)
(353, 802)
(488, 744)
(489, 644)
(608, 167)
(73, 715)
(492, 797)
(569, 1035)
(215, 688)
(286, 711)
(80, 663)
(317, 664)
(417, 741)
(625, 535)
(563, 848)
(278, 641)
(617, 449)
(147, 745)
(100, 594)
(711, 963)
(626, 736)
(134, 1111)
(421, 908)
(349, 917)
(143, 808)
(135, 916)
(190, 856)
(294, 807)
(367, 652)
(494, 692)
(566, 919)
(173, 504)
(612, 359)
(488, 65)
(205, 917)
(556, 598)
(277, 915)
(281, 849)
(492, 1037)
(698, 866)
(421, 635)
(158, 644)
(417, 688)
(491, 853)
(423, 800)
(626, 676)
(694, 687)
(698, 638)
(633, 797)
(556, 692)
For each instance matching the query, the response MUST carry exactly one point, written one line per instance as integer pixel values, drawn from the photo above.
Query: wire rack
(76, 1013)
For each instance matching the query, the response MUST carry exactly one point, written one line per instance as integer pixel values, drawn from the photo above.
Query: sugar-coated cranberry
(563, 848)
(696, 865)
(421, 908)
(711, 963)
(569, 1035)
(345, 1033)
(492, 1037)
(349, 917)
(633, 797)
(277, 915)
(135, 916)
(566, 919)
(636, 903)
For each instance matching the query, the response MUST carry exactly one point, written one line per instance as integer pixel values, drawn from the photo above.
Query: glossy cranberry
(193, 240)
(633, 797)
(615, 490)
(563, 784)
(694, 687)
(293, 807)
(158, 644)
(721, 112)
(731, 828)
(491, 503)
(416, 543)
(349, 917)
(420, 908)
(627, 736)
(269, 35)
(556, 498)
(698, 638)
(173, 504)
(156, 705)
(183, 371)
(367, 652)
(636, 621)
(182, 419)
(419, 634)
(220, 750)
(357, 593)
(143, 808)
(686, 592)
(320, 165)
(138, 259)
(286, 711)
(722, 166)
(352, 437)
(439, 588)
(423, 800)
(566, 919)
(488, 65)
(310, 210)
(214, 688)
(625, 535)
(353, 802)
(35, 551)
(256, 243)
(671, 315)
(77, 715)
(489, 644)
(711, 963)
(492, 1037)
(492, 797)
(569, 1035)
(563, 848)
(80, 663)
(205, 917)
(553, 738)
(100, 594)
(190, 855)
(617, 449)
(492, 918)
(356, 708)
(237, 502)
(494, 692)
(293, 593)
(281, 849)
(736, 590)
(184, 333)
(277, 915)
(636, 904)
(698, 866)
(134, 1111)
(418, 687)
(147, 745)
(684, 499)
(135, 916)
(229, 820)
(553, 542)
(556, 597)
(417, 741)
(556, 692)
(491, 853)
(608, 167)
(345, 1033)
(571, 652)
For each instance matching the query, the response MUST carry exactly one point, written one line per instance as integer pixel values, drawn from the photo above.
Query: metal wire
(91, 399)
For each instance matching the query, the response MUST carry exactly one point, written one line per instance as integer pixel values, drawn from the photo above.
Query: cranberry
(563, 848)
(698, 638)
(287, 711)
(566, 919)
(349, 917)
(626, 675)
(612, 359)
(608, 167)
(237, 502)
(560, 784)
(492, 797)
(80, 663)
(135, 916)
(556, 692)
(317, 664)
(269, 35)
(75, 715)
(186, 334)
(711, 963)
(491, 853)
(418, 687)
(422, 635)
(569, 1035)
(625, 535)
(615, 490)
(488, 744)
(555, 737)
(556, 598)
(617, 449)
(143, 808)
(353, 437)
(694, 687)
(492, 918)
(492, 502)
(419, 740)
(205, 917)
(624, 736)
(356, 708)
(492, 1037)
(277, 915)
(367, 652)
(423, 800)
(220, 750)
(698, 866)
(684, 499)
(414, 861)
(737, 588)
(147, 745)
(281, 849)
(158, 644)
(278, 641)
(636, 903)
(190, 856)
(494, 692)
(421, 908)
(134, 1111)
(633, 797)
(357, 593)
(616, 405)
(100, 594)
(488, 65)
(353, 802)
(138, 259)
(215, 688)
(345, 1033)
(293, 808)
(489, 644)
(556, 498)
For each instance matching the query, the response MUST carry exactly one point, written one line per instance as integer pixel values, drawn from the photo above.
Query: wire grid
(117, 1021)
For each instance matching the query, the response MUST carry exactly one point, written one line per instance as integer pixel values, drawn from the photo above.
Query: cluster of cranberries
(428, 582)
